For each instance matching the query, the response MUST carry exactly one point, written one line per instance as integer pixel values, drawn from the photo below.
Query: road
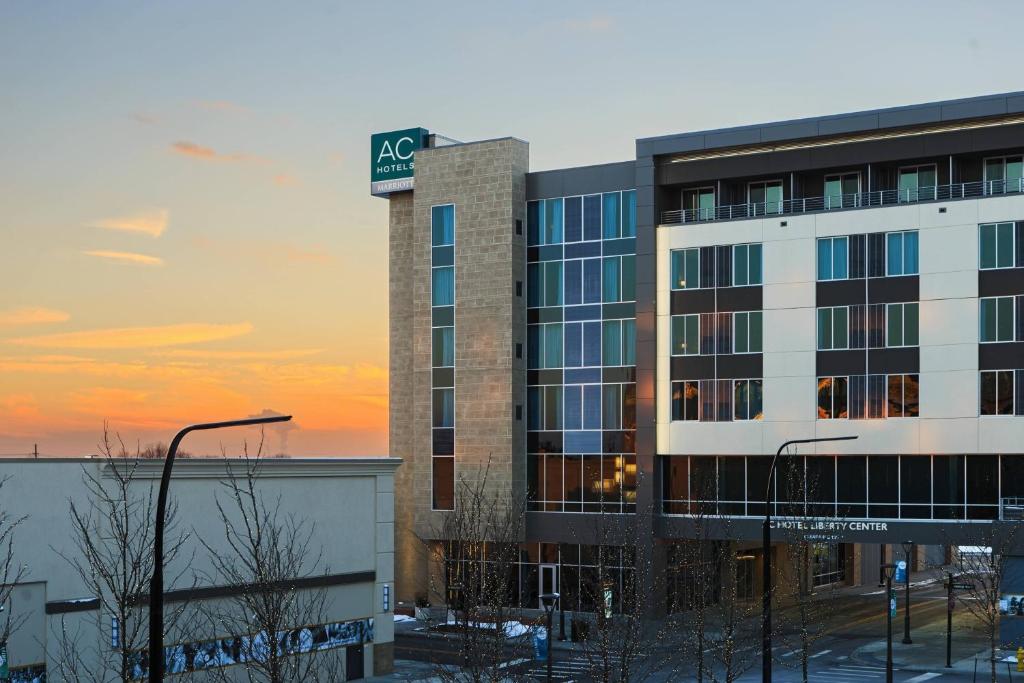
(851, 650)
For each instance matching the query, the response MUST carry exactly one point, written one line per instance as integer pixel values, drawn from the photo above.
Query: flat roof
(834, 124)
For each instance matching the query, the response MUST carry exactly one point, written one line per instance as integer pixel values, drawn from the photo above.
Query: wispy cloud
(222, 105)
(32, 315)
(203, 153)
(144, 118)
(126, 257)
(137, 337)
(279, 354)
(594, 24)
(152, 222)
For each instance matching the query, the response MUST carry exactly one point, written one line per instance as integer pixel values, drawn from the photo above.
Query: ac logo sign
(391, 159)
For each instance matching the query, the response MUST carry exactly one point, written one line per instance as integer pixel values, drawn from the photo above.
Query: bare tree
(113, 542)
(11, 572)
(804, 519)
(627, 642)
(279, 628)
(983, 565)
(478, 554)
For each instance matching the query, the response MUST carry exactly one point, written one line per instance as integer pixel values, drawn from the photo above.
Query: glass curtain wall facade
(581, 353)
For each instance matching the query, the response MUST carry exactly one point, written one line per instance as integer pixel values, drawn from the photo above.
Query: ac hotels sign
(392, 159)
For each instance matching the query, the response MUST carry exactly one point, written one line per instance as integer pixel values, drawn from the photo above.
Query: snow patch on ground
(400, 618)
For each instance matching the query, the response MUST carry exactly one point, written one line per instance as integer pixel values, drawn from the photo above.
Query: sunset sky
(187, 231)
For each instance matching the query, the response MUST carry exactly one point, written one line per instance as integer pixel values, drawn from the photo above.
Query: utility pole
(35, 451)
(908, 547)
(949, 620)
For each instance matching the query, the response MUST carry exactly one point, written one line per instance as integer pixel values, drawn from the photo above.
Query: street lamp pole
(766, 563)
(549, 600)
(889, 606)
(908, 547)
(156, 583)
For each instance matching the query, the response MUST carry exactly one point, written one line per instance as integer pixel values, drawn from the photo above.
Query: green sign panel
(391, 159)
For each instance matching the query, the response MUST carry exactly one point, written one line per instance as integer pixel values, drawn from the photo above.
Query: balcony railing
(1011, 508)
(836, 202)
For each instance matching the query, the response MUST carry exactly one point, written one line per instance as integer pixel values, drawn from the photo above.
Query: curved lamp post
(156, 584)
(766, 564)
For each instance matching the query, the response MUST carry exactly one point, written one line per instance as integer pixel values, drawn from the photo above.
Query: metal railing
(835, 202)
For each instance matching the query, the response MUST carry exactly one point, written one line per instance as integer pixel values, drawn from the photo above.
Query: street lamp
(547, 601)
(908, 546)
(890, 607)
(156, 584)
(766, 549)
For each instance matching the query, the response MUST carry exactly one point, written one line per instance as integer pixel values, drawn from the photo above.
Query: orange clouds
(32, 315)
(152, 223)
(137, 337)
(280, 354)
(196, 151)
(126, 257)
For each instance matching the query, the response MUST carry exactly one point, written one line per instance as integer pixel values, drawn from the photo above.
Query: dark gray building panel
(567, 182)
(837, 124)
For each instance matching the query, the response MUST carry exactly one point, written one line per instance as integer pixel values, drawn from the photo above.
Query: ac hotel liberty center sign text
(391, 159)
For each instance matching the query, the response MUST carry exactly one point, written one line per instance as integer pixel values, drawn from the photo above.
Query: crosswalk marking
(923, 677)
(819, 654)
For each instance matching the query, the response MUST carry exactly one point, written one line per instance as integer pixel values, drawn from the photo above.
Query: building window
(747, 332)
(545, 284)
(902, 253)
(544, 346)
(746, 265)
(619, 347)
(917, 183)
(841, 190)
(686, 400)
(442, 225)
(443, 286)
(998, 390)
(904, 396)
(629, 213)
(828, 563)
(544, 407)
(902, 327)
(766, 197)
(444, 408)
(611, 215)
(686, 335)
(699, 203)
(1003, 174)
(832, 398)
(544, 222)
(619, 279)
(618, 406)
(833, 328)
(573, 219)
(996, 319)
(833, 258)
(443, 483)
(443, 347)
(592, 217)
(748, 399)
(996, 247)
(686, 269)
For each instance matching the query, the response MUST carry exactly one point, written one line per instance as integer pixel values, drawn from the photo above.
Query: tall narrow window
(686, 269)
(902, 328)
(553, 221)
(832, 398)
(996, 319)
(833, 328)
(442, 225)
(629, 213)
(685, 335)
(443, 286)
(612, 346)
(1003, 174)
(443, 347)
(611, 215)
(748, 399)
(902, 396)
(629, 342)
(901, 253)
(747, 332)
(746, 265)
(553, 283)
(996, 245)
(686, 400)
(833, 258)
(612, 279)
(592, 217)
(573, 219)
(997, 392)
